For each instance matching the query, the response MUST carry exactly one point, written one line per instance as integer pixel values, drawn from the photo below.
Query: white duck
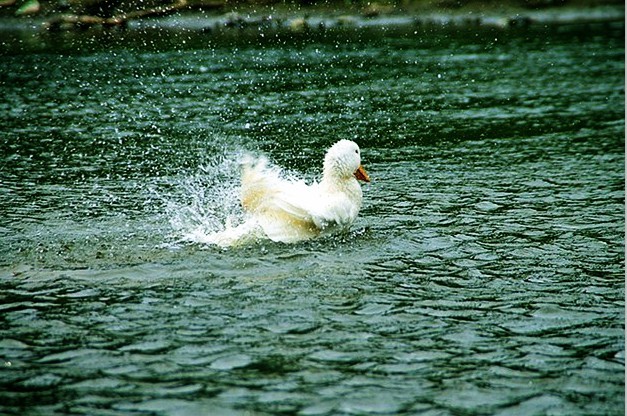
(288, 211)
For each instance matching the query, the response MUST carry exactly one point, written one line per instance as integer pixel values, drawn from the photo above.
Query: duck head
(343, 160)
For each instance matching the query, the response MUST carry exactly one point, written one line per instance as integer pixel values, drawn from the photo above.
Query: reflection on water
(485, 274)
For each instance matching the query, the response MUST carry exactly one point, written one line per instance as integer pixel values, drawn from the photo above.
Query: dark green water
(484, 275)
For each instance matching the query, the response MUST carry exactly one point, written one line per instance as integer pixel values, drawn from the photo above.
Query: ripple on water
(232, 361)
(484, 275)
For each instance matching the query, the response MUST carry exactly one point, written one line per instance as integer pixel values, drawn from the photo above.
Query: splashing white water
(207, 202)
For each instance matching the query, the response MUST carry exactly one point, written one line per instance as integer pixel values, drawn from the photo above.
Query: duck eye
(356, 151)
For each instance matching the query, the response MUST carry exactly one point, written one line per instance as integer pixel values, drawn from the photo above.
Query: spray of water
(205, 202)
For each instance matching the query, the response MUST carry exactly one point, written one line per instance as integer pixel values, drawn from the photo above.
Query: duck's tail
(260, 183)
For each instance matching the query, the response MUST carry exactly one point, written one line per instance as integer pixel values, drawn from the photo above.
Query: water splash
(206, 202)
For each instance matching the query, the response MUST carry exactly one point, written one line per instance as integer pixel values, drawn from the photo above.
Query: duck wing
(280, 206)
(306, 211)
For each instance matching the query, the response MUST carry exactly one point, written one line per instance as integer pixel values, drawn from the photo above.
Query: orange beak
(361, 174)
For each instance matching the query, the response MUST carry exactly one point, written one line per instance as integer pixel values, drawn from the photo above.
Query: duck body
(289, 210)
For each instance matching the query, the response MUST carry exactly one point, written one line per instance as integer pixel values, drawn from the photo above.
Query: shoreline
(300, 18)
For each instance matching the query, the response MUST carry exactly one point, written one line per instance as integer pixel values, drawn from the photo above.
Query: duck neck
(347, 185)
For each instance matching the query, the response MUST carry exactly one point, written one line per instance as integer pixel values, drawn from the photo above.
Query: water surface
(485, 274)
